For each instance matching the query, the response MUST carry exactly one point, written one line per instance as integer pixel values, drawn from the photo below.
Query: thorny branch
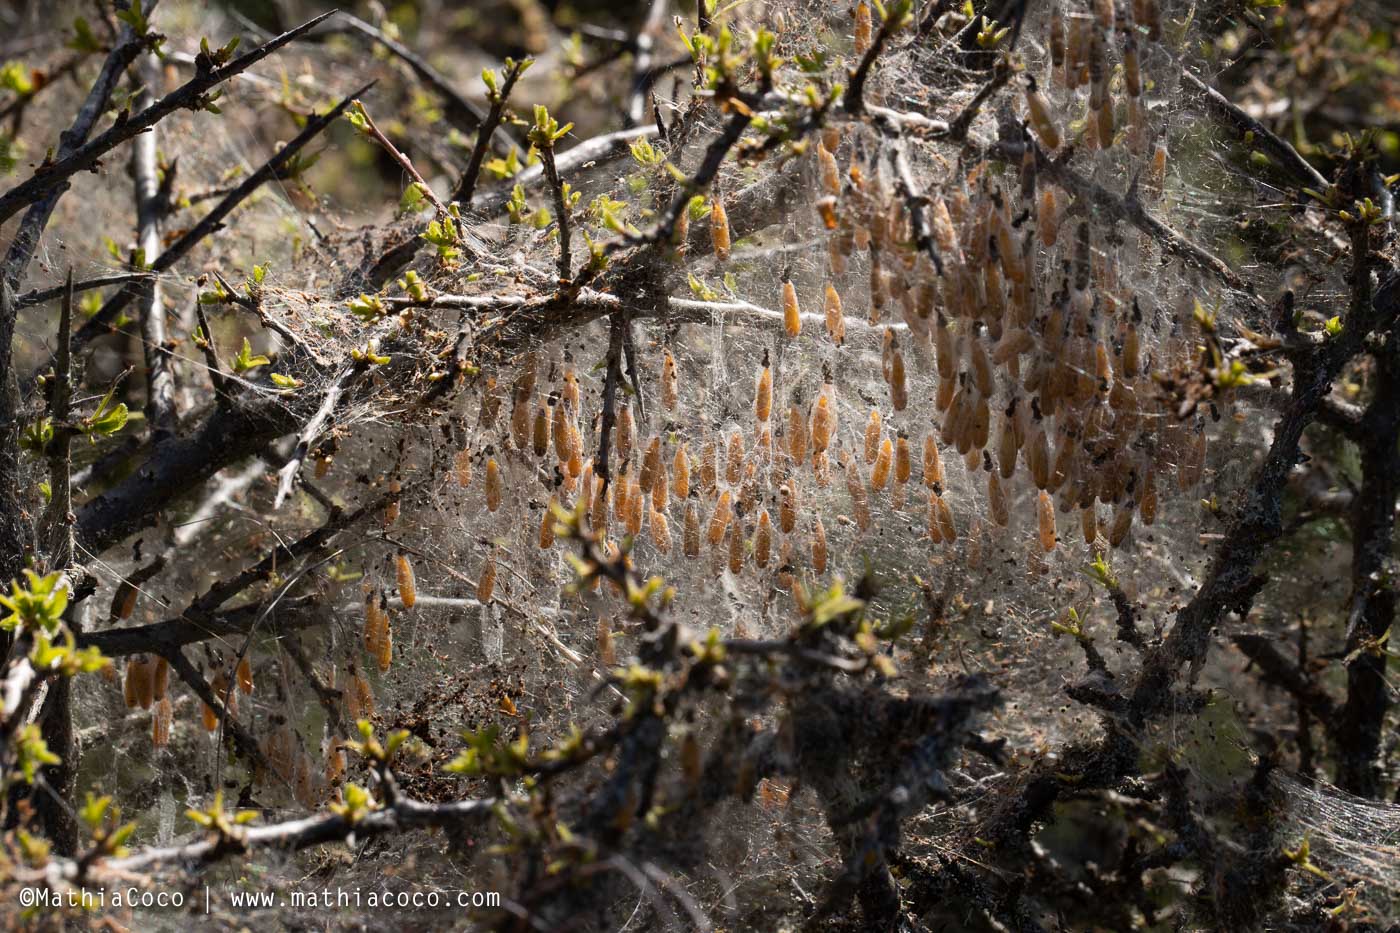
(191, 95)
(212, 222)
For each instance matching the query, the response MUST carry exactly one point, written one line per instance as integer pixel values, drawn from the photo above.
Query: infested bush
(876, 466)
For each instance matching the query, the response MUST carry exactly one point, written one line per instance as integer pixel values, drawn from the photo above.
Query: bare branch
(1341, 415)
(211, 355)
(160, 379)
(43, 296)
(561, 209)
(1131, 209)
(160, 637)
(616, 328)
(293, 835)
(1279, 671)
(958, 129)
(1373, 599)
(312, 543)
(180, 463)
(245, 746)
(1288, 157)
(854, 98)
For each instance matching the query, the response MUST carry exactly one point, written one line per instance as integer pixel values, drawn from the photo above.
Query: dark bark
(53, 806)
(1373, 597)
(178, 464)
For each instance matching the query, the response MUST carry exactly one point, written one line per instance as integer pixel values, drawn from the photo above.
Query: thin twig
(26, 239)
(1277, 670)
(957, 130)
(42, 296)
(311, 543)
(245, 746)
(710, 165)
(292, 836)
(629, 353)
(404, 161)
(1130, 208)
(460, 112)
(466, 188)
(597, 150)
(561, 208)
(211, 355)
(286, 477)
(60, 513)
